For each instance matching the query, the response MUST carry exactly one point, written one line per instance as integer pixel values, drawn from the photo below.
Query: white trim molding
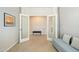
(11, 46)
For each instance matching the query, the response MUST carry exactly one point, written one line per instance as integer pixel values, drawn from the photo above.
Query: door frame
(22, 40)
(56, 28)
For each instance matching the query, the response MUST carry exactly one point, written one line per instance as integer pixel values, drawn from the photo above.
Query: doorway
(46, 24)
(38, 27)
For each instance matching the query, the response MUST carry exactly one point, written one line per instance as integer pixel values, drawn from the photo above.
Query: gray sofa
(61, 46)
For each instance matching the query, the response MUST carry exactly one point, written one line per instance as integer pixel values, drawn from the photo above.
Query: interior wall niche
(38, 23)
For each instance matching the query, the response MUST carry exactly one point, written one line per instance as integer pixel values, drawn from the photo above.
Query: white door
(24, 28)
(51, 27)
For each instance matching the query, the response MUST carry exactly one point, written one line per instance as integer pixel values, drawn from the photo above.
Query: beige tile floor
(36, 43)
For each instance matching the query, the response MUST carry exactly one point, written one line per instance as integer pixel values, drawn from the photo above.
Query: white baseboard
(23, 40)
(11, 46)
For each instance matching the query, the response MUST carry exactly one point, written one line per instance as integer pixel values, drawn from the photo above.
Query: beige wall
(38, 23)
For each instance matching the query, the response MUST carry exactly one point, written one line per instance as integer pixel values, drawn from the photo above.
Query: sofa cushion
(61, 46)
(75, 42)
(66, 38)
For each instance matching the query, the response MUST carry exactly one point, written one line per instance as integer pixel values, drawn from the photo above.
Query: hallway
(36, 43)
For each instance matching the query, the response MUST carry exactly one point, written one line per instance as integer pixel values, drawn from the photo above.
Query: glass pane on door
(24, 27)
(51, 27)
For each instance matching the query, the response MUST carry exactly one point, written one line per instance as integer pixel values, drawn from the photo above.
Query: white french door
(24, 28)
(52, 27)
